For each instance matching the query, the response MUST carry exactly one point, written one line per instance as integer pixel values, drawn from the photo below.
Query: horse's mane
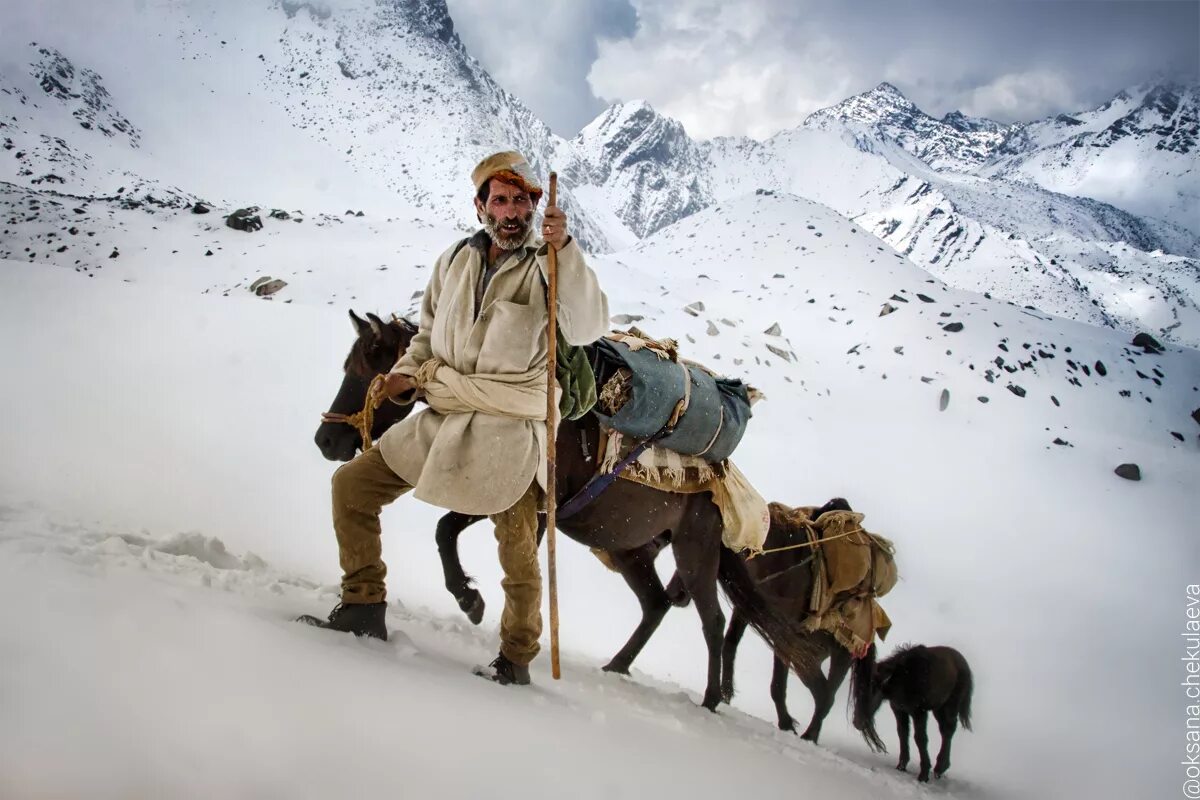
(900, 652)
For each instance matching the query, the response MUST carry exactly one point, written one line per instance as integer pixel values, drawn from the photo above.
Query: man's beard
(509, 239)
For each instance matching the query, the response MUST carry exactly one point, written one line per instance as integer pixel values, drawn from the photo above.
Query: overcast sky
(757, 66)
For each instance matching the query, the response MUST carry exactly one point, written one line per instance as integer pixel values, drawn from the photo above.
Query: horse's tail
(967, 688)
(781, 633)
(862, 687)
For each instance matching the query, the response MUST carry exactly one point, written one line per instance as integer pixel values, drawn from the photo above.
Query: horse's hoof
(923, 777)
(727, 694)
(788, 725)
(711, 704)
(902, 766)
(615, 668)
(808, 736)
(473, 606)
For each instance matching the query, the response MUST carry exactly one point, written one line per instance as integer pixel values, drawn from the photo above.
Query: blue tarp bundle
(717, 412)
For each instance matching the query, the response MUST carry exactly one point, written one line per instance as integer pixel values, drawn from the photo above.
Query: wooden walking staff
(551, 431)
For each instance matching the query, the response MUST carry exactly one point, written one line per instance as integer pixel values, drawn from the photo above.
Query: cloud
(1022, 95)
(541, 52)
(758, 66)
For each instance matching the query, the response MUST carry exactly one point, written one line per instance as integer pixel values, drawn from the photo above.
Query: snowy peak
(1090, 153)
(1167, 116)
(956, 143)
(884, 105)
(651, 170)
(628, 133)
(961, 122)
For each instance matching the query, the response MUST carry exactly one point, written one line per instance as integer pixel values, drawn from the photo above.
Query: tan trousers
(363, 486)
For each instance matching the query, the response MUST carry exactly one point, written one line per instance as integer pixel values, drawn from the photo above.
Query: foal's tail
(966, 686)
(782, 634)
(862, 699)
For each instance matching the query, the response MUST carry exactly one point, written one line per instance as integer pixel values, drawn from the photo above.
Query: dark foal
(630, 521)
(916, 680)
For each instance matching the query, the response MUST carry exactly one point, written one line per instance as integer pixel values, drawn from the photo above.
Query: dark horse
(786, 578)
(916, 680)
(630, 521)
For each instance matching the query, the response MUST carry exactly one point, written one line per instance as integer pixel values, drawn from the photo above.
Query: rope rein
(364, 420)
(817, 543)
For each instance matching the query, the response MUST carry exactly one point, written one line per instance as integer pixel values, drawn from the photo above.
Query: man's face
(507, 215)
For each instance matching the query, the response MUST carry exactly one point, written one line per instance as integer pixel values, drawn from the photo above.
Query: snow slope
(156, 419)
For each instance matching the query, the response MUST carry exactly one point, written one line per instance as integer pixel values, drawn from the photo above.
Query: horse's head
(377, 347)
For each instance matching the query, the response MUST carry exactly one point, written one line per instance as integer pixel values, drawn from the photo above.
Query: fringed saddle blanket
(743, 510)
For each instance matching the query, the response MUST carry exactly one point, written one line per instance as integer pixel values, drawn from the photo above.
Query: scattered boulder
(1130, 472)
(200, 208)
(925, 299)
(888, 308)
(1017, 390)
(208, 252)
(774, 330)
(953, 327)
(712, 329)
(245, 219)
(694, 308)
(1062, 442)
(626, 319)
(1147, 343)
(279, 213)
(1196, 416)
(1101, 370)
(784, 354)
(982, 398)
(944, 400)
(1178, 435)
(267, 286)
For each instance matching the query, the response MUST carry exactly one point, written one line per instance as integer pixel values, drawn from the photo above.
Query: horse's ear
(377, 325)
(360, 324)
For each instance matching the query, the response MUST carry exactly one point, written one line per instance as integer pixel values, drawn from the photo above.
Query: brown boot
(505, 672)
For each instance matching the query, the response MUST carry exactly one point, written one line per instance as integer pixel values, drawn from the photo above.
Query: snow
(165, 438)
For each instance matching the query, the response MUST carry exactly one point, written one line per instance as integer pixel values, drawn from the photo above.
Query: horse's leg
(637, 568)
(921, 734)
(902, 731)
(779, 679)
(457, 582)
(947, 719)
(818, 687)
(733, 637)
(697, 558)
(824, 690)
(677, 593)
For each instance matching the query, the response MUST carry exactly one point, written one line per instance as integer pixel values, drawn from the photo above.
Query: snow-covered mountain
(1139, 151)
(910, 179)
(283, 104)
(319, 108)
(955, 143)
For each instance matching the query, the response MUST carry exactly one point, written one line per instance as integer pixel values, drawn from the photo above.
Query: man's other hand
(554, 227)
(394, 384)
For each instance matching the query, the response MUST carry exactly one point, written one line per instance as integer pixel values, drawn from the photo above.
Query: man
(479, 360)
